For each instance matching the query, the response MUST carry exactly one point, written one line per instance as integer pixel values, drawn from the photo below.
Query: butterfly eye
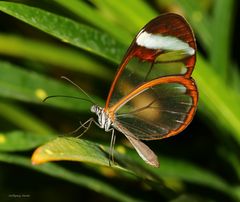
(93, 109)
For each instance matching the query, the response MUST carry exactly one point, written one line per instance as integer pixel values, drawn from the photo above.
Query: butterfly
(152, 95)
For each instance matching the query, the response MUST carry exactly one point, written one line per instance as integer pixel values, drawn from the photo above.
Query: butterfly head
(96, 109)
(103, 119)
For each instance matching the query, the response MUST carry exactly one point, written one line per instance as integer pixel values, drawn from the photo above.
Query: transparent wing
(157, 109)
(165, 46)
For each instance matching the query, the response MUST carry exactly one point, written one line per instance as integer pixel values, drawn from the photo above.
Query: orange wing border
(192, 91)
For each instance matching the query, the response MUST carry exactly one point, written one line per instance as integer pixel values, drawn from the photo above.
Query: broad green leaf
(22, 118)
(71, 149)
(91, 15)
(21, 141)
(29, 86)
(17, 46)
(67, 30)
(80, 179)
(75, 149)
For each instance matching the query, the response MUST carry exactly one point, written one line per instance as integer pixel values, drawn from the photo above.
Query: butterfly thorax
(103, 118)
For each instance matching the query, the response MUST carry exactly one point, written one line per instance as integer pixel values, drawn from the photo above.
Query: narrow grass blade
(23, 119)
(198, 18)
(222, 30)
(28, 86)
(131, 13)
(218, 101)
(13, 45)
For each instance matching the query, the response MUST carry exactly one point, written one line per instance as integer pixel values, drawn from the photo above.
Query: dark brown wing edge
(168, 24)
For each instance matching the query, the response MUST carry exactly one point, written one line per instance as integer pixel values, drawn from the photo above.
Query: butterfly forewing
(165, 46)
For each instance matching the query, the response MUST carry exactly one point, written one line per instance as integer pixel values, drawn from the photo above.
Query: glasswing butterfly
(152, 95)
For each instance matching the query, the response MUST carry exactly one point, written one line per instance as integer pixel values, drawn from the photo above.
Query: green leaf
(91, 15)
(175, 172)
(200, 21)
(75, 149)
(139, 7)
(52, 54)
(235, 80)
(17, 83)
(21, 141)
(221, 45)
(67, 30)
(232, 158)
(190, 198)
(113, 10)
(83, 180)
(179, 169)
(71, 149)
(125, 9)
(198, 18)
(218, 101)
(22, 118)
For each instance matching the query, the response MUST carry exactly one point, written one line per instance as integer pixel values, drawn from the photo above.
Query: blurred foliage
(85, 40)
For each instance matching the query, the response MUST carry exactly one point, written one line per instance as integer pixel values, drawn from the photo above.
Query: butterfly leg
(111, 149)
(85, 125)
(89, 122)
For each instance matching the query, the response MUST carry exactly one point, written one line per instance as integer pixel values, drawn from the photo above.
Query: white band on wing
(157, 41)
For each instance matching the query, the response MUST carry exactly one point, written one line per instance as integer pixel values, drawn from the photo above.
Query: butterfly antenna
(85, 93)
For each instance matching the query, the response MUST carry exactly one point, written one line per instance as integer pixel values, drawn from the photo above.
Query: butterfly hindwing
(158, 109)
